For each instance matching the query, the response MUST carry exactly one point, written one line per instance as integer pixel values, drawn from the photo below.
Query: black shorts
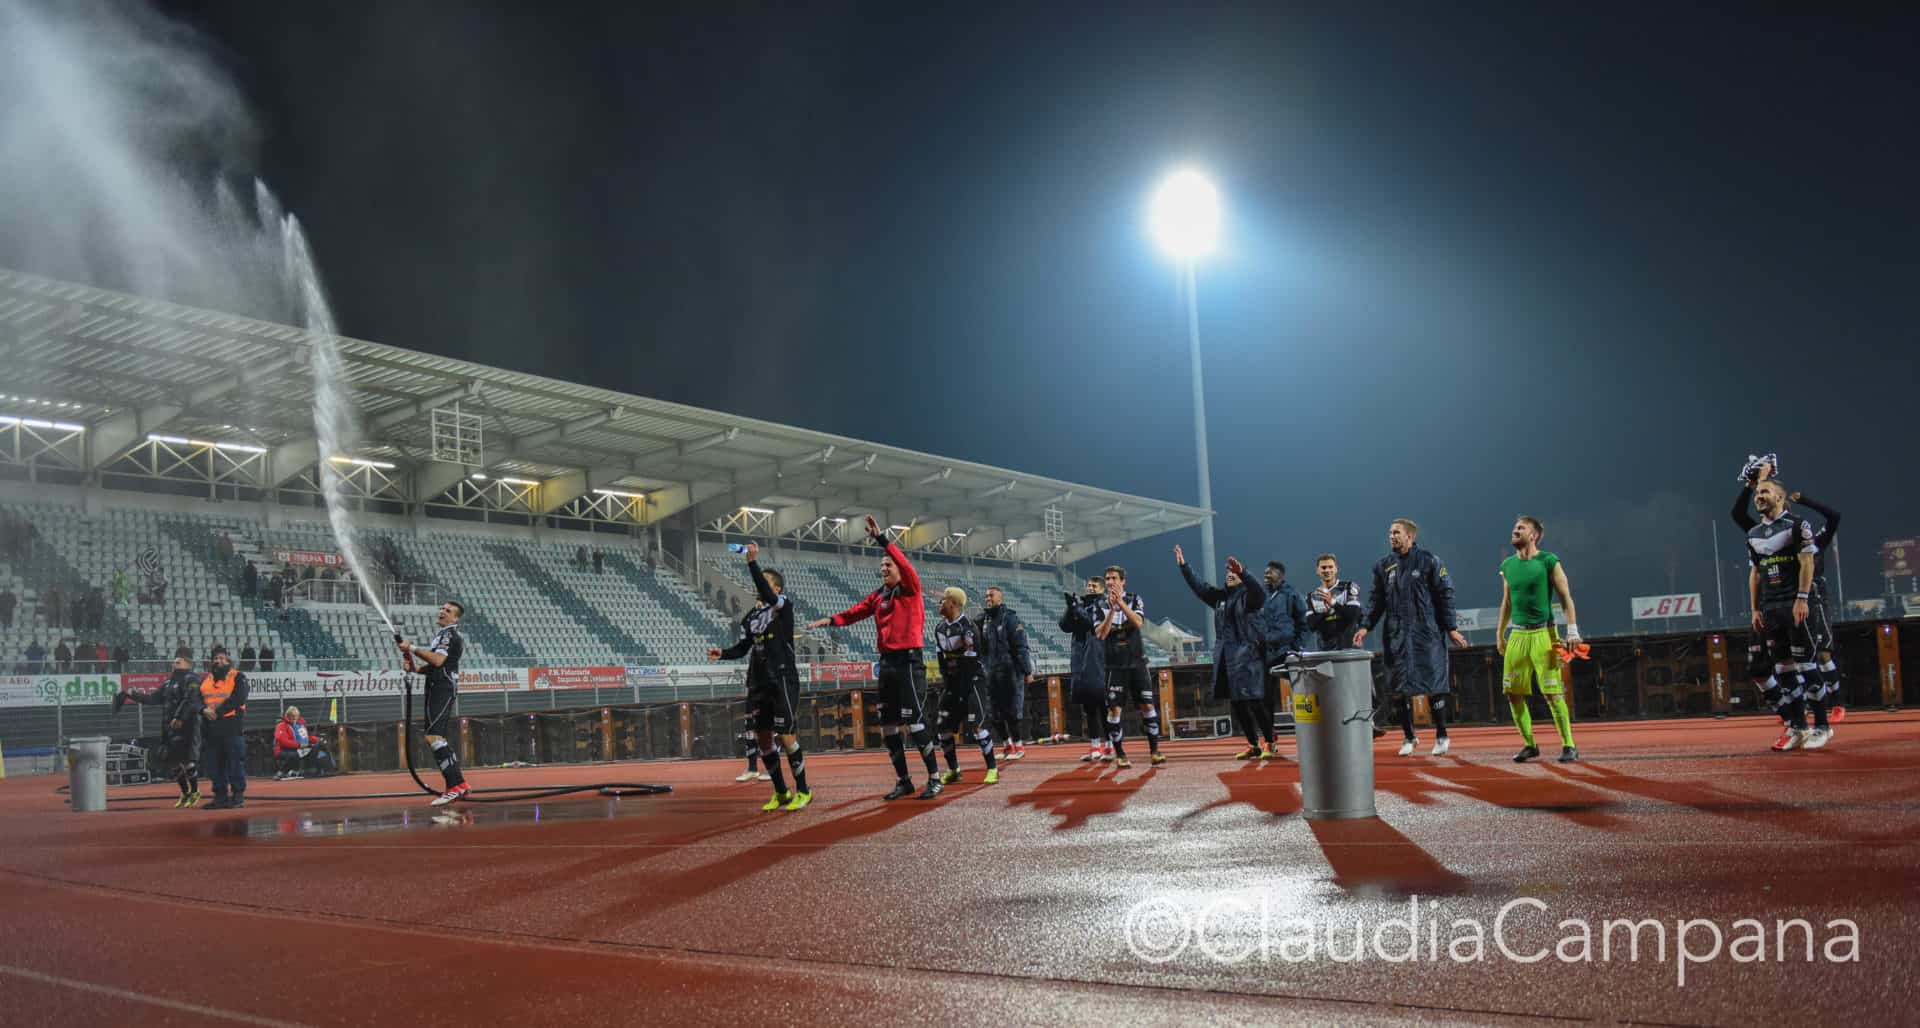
(437, 719)
(774, 706)
(1130, 686)
(903, 684)
(962, 705)
(1780, 641)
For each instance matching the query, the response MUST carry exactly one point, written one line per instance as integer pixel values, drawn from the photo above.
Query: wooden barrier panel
(1719, 674)
(858, 702)
(1887, 639)
(1166, 696)
(686, 729)
(466, 739)
(606, 733)
(1056, 709)
(342, 752)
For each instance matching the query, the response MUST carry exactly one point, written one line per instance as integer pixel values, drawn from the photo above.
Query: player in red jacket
(898, 610)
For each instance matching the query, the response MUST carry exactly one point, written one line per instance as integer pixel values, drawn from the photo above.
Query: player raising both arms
(898, 610)
(773, 682)
(1528, 582)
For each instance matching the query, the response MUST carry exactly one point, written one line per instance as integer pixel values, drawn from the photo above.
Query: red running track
(1008, 904)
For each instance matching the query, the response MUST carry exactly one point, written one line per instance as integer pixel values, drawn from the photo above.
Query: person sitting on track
(294, 748)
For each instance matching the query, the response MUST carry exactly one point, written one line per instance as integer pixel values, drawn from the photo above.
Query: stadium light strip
(755, 510)
(517, 481)
(363, 462)
(176, 440)
(624, 496)
(63, 426)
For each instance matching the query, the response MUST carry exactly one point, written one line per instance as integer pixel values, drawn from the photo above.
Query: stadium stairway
(708, 627)
(304, 637)
(570, 603)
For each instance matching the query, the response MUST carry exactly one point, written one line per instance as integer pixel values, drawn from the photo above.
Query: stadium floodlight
(1186, 215)
(478, 477)
(620, 494)
(362, 462)
(899, 528)
(755, 510)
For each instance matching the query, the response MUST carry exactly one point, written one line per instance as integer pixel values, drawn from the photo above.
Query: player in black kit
(439, 661)
(1781, 550)
(1819, 616)
(963, 685)
(773, 682)
(1121, 615)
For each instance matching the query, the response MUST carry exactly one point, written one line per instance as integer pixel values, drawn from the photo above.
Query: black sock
(449, 764)
(1116, 731)
(952, 751)
(753, 756)
(185, 780)
(1151, 723)
(1263, 709)
(1437, 705)
(771, 761)
(1245, 717)
(1016, 731)
(986, 747)
(923, 741)
(797, 761)
(1096, 722)
(1406, 715)
(1819, 708)
(897, 752)
(1797, 714)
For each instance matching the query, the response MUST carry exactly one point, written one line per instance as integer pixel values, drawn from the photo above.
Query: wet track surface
(1194, 892)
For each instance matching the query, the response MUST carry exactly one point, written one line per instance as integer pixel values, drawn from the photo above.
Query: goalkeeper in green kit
(1530, 579)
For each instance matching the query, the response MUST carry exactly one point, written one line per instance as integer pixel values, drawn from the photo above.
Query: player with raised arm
(439, 661)
(1780, 550)
(1117, 625)
(1239, 673)
(1528, 582)
(773, 682)
(898, 610)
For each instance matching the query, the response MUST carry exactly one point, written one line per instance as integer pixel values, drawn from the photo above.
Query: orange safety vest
(215, 692)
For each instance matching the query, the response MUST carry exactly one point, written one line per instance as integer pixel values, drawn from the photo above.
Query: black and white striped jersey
(449, 643)
(1774, 547)
(958, 642)
(1124, 647)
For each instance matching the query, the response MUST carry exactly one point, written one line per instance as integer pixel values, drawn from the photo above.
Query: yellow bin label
(1306, 708)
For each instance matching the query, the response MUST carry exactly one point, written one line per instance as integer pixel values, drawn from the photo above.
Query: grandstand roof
(128, 368)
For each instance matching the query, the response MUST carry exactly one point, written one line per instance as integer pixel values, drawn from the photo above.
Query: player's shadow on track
(1269, 790)
(1368, 855)
(1075, 796)
(1766, 813)
(1424, 783)
(672, 890)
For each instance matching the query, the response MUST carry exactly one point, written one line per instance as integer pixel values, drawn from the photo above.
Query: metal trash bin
(1333, 731)
(87, 772)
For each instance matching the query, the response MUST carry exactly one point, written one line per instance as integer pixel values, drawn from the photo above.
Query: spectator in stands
(52, 605)
(97, 608)
(7, 602)
(120, 656)
(580, 558)
(36, 657)
(182, 650)
(62, 656)
(266, 655)
(122, 585)
(598, 560)
(224, 547)
(77, 613)
(249, 581)
(248, 657)
(100, 657)
(292, 745)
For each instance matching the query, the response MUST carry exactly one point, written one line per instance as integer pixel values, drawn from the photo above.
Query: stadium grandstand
(150, 451)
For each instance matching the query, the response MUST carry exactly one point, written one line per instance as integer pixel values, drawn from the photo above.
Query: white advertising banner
(1677, 605)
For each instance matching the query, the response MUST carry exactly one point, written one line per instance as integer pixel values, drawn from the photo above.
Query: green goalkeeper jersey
(1530, 587)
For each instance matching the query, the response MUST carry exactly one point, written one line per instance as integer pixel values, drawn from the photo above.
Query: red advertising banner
(313, 557)
(1900, 558)
(143, 680)
(841, 672)
(576, 678)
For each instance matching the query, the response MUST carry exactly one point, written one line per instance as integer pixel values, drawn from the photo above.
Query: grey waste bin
(1333, 731)
(87, 772)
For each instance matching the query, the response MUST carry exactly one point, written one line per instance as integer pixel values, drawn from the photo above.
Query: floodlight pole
(1207, 564)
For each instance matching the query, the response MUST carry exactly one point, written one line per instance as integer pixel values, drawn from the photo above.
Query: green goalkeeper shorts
(1531, 657)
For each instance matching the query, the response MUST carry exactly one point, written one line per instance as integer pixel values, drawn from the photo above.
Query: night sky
(1480, 260)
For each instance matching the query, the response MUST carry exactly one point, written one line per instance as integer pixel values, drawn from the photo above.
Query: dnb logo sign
(69, 690)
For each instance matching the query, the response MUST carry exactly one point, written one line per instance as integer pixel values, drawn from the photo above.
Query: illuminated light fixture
(899, 528)
(176, 440)
(517, 481)
(1186, 215)
(755, 510)
(622, 495)
(363, 462)
(63, 426)
(839, 521)
(241, 447)
(959, 535)
(478, 477)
